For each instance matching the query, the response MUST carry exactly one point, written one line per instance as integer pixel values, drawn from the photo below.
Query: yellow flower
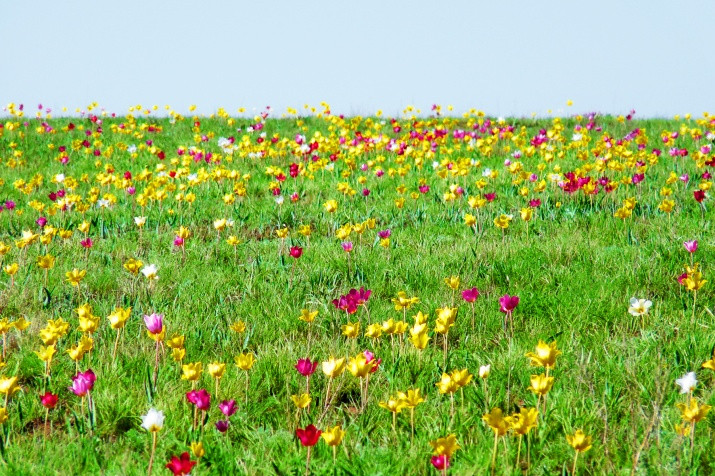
(579, 441)
(502, 221)
(333, 436)
(86, 343)
(694, 281)
(497, 422)
(461, 377)
(133, 265)
(46, 353)
(419, 339)
(233, 240)
(623, 213)
(395, 405)
(545, 355)
(220, 224)
(304, 230)
(217, 369)
(75, 276)
(445, 319)
(45, 262)
(307, 315)
(330, 206)
(524, 421)
(178, 354)
(197, 448)
(403, 302)
(710, 364)
(374, 331)
(245, 361)
(446, 384)
(334, 367)
(541, 384)
(21, 323)
(282, 233)
(192, 372)
(239, 327)
(183, 232)
(351, 330)
(359, 366)
(692, 412)
(452, 282)
(11, 269)
(470, 220)
(83, 227)
(8, 385)
(176, 342)
(301, 401)
(88, 323)
(445, 446)
(3, 415)
(527, 213)
(411, 399)
(119, 317)
(666, 206)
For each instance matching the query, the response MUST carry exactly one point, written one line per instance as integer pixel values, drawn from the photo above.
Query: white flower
(639, 307)
(103, 203)
(150, 271)
(59, 178)
(153, 420)
(576, 137)
(484, 371)
(131, 149)
(279, 199)
(687, 382)
(139, 221)
(487, 173)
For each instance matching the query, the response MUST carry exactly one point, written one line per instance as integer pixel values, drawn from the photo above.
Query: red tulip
(308, 436)
(48, 400)
(182, 465)
(296, 251)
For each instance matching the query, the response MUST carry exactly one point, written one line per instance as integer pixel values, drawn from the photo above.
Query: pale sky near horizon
(508, 58)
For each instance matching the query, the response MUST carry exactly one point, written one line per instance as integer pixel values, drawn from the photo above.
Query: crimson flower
(48, 400)
(305, 367)
(222, 426)
(699, 196)
(296, 251)
(308, 436)
(370, 357)
(182, 465)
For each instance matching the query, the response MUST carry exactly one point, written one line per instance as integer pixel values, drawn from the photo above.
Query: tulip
(227, 407)
(181, 466)
(153, 422)
(507, 304)
(306, 368)
(308, 437)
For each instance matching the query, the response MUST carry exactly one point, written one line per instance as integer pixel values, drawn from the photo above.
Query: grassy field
(251, 220)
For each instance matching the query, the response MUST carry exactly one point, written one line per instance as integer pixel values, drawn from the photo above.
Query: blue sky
(506, 58)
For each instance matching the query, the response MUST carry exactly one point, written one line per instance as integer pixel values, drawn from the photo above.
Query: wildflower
(579, 441)
(75, 276)
(154, 323)
(307, 315)
(484, 371)
(333, 367)
(541, 384)
(192, 372)
(301, 401)
(308, 436)
(687, 382)
(691, 246)
(545, 355)
(82, 383)
(305, 367)
(48, 400)
(150, 272)
(639, 307)
(153, 421)
(245, 361)
(181, 466)
(693, 412)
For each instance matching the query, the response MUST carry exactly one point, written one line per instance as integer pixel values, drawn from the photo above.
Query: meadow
(311, 293)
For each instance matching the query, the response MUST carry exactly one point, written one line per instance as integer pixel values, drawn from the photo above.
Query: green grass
(574, 272)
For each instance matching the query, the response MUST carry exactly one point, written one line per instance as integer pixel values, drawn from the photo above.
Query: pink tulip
(691, 246)
(154, 323)
(508, 303)
(470, 295)
(83, 382)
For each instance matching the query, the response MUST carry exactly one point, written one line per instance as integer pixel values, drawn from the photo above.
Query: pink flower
(200, 398)
(227, 407)
(41, 222)
(222, 426)
(384, 233)
(86, 243)
(154, 323)
(691, 246)
(682, 278)
(347, 246)
(178, 241)
(83, 382)
(470, 295)
(440, 462)
(305, 367)
(508, 303)
(296, 251)
(370, 357)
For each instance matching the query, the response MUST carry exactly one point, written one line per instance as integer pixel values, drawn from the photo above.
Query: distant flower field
(321, 294)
